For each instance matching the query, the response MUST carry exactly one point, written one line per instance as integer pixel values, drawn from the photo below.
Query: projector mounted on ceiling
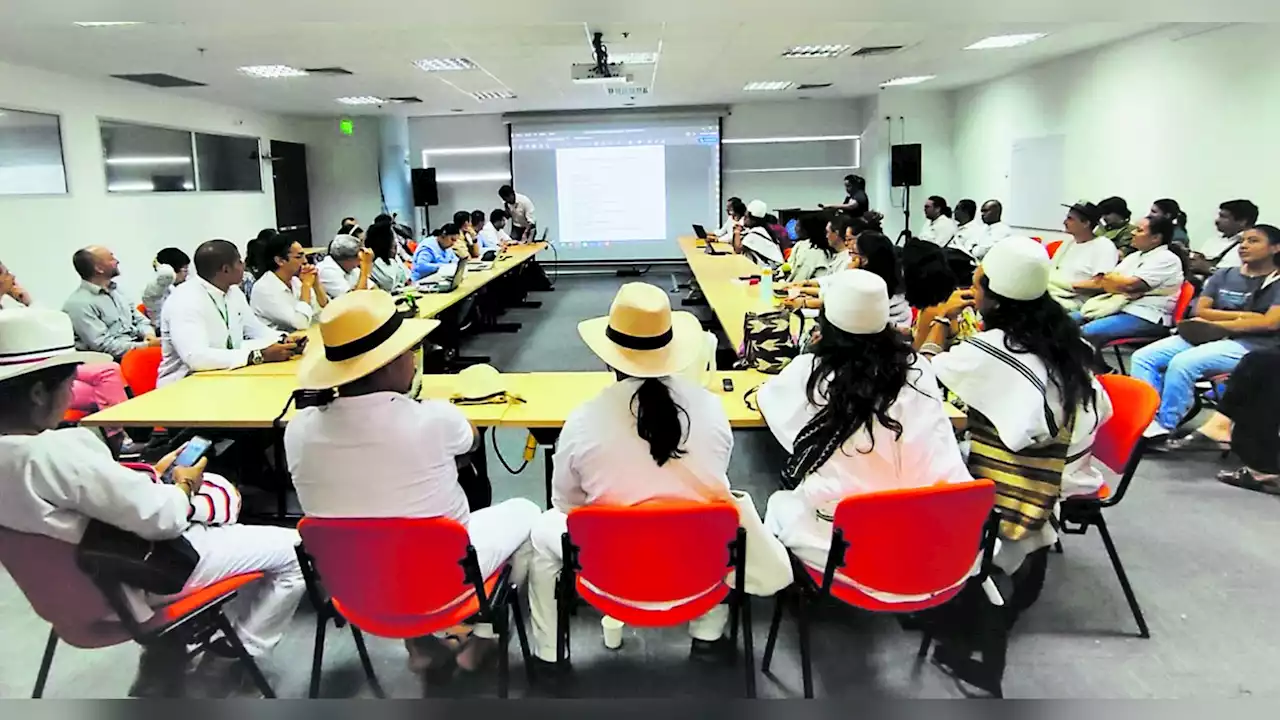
(588, 73)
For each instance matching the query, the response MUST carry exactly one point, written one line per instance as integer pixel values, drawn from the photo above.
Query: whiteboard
(1036, 182)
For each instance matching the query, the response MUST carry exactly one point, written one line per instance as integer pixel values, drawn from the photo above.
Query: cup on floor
(612, 630)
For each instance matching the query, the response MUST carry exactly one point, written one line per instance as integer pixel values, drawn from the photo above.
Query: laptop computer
(700, 231)
(447, 286)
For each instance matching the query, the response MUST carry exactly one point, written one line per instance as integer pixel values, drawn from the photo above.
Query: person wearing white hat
(654, 434)
(755, 241)
(1027, 383)
(861, 412)
(57, 480)
(368, 357)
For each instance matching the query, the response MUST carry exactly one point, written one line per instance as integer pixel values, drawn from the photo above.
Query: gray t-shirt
(1231, 289)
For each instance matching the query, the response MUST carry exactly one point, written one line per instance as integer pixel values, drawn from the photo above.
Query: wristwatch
(255, 357)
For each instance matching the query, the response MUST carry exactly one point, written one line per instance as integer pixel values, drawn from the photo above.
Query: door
(293, 199)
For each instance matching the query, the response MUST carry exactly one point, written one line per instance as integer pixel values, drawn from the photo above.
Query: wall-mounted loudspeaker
(425, 192)
(904, 166)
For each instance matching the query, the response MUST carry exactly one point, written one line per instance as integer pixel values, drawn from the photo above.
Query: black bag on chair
(110, 554)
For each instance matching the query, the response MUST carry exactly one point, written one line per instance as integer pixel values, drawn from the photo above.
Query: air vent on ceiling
(328, 71)
(160, 80)
(813, 86)
(872, 50)
(405, 99)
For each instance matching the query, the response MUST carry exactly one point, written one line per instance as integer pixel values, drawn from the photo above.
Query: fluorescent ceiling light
(483, 95)
(144, 160)
(271, 72)
(361, 100)
(815, 51)
(635, 58)
(489, 150)
(142, 186)
(804, 139)
(909, 80)
(444, 64)
(768, 86)
(100, 24)
(998, 42)
(819, 168)
(473, 177)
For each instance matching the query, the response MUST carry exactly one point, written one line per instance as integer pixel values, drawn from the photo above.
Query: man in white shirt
(939, 228)
(282, 295)
(968, 232)
(493, 236)
(346, 267)
(414, 446)
(207, 324)
(1234, 218)
(1081, 260)
(57, 480)
(524, 223)
(1152, 275)
(734, 210)
(994, 229)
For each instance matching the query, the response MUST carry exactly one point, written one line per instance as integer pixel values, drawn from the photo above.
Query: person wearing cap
(368, 358)
(753, 238)
(860, 412)
(346, 267)
(1115, 226)
(1237, 312)
(1081, 260)
(939, 228)
(652, 435)
(208, 325)
(1029, 391)
(283, 294)
(57, 480)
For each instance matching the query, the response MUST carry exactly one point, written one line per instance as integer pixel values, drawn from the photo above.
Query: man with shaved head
(994, 228)
(104, 320)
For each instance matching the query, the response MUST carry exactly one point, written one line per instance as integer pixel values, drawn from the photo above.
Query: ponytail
(658, 420)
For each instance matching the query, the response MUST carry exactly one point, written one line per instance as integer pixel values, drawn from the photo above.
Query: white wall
(908, 116)
(42, 232)
(427, 133)
(342, 174)
(1152, 117)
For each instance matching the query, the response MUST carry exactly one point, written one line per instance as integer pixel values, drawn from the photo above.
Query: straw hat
(857, 302)
(483, 384)
(362, 333)
(641, 337)
(33, 339)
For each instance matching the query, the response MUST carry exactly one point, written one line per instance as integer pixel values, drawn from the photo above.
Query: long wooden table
(718, 277)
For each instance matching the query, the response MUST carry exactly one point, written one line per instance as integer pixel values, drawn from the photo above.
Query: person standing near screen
(524, 224)
(856, 202)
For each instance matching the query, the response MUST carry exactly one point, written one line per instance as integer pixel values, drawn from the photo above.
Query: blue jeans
(1121, 325)
(1173, 366)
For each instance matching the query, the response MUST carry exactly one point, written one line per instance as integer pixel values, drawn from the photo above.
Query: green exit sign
(347, 126)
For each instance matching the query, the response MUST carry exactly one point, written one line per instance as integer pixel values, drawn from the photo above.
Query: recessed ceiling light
(909, 80)
(483, 95)
(767, 86)
(444, 64)
(100, 24)
(361, 100)
(272, 72)
(998, 42)
(815, 51)
(634, 58)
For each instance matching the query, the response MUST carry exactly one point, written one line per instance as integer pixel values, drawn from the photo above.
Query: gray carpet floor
(1201, 556)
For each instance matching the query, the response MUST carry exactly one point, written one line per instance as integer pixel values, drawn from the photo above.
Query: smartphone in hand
(190, 455)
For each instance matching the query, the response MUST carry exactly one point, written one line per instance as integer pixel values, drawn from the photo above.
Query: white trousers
(261, 611)
(545, 569)
(500, 533)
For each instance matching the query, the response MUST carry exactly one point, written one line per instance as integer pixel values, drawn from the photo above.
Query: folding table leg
(46, 663)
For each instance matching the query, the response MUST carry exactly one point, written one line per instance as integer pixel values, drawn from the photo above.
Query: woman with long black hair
(1169, 209)
(861, 412)
(652, 435)
(1034, 406)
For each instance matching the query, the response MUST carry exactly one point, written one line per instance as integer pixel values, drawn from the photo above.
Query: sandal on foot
(1244, 478)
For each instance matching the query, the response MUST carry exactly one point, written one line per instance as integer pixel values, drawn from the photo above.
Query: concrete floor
(1201, 557)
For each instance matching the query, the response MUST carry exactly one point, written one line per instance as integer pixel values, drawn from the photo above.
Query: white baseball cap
(857, 302)
(757, 209)
(1017, 268)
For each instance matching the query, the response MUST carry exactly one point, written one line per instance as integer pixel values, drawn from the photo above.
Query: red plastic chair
(141, 369)
(1185, 296)
(915, 541)
(402, 578)
(1052, 248)
(82, 610)
(1119, 446)
(688, 549)
(73, 417)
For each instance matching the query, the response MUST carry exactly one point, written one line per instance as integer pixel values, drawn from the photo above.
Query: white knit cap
(757, 209)
(856, 301)
(1017, 268)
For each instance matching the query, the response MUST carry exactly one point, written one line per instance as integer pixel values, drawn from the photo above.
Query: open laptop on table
(446, 286)
(701, 232)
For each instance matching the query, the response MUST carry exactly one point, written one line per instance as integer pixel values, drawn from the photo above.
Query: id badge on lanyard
(226, 321)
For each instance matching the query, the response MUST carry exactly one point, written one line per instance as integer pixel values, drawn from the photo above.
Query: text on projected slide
(612, 194)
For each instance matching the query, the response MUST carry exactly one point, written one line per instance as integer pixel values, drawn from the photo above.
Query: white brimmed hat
(33, 339)
(642, 337)
(362, 333)
(857, 302)
(757, 209)
(1017, 268)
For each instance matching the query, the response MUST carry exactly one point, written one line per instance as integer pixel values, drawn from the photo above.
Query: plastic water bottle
(766, 284)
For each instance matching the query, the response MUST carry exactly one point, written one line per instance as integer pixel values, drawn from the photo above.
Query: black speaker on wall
(425, 192)
(904, 166)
